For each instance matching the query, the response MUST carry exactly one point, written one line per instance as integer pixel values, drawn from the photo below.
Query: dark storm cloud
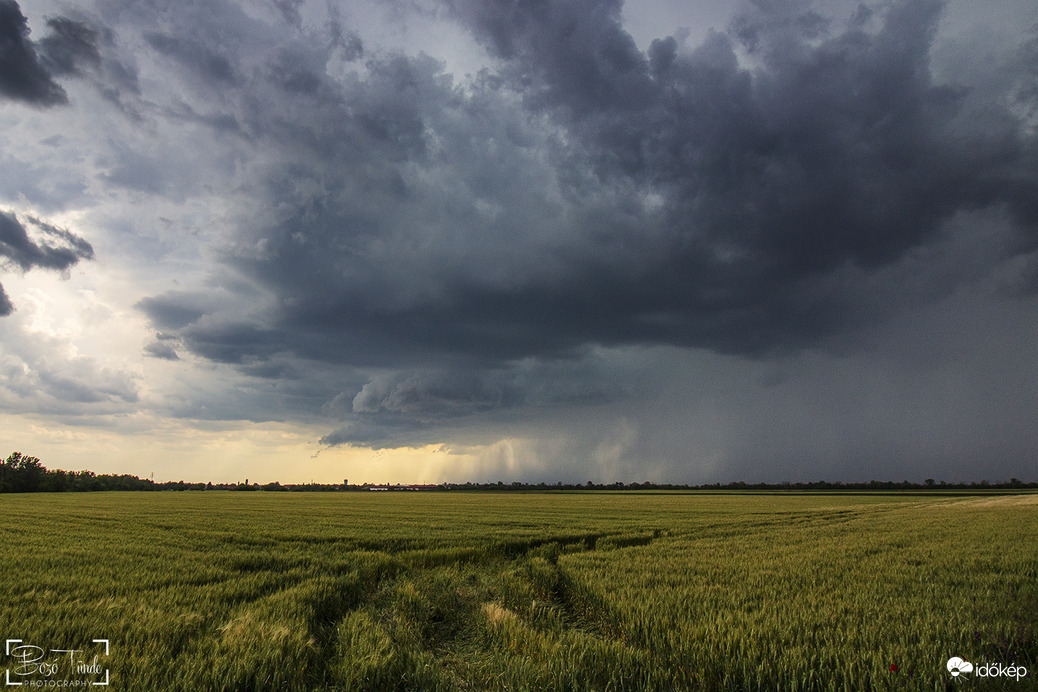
(573, 55)
(22, 77)
(60, 251)
(838, 148)
(18, 248)
(72, 48)
(837, 151)
(586, 193)
(415, 406)
(404, 406)
(174, 310)
(69, 47)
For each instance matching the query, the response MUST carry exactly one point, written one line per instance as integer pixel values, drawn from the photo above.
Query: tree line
(20, 473)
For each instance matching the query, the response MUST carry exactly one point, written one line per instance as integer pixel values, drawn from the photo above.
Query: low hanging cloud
(58, 250)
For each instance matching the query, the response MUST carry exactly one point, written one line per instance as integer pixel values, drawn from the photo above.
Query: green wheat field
(485, 591)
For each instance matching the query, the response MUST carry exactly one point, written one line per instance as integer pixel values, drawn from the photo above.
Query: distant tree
(22, 474)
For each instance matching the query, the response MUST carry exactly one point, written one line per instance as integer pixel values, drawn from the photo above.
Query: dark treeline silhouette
(26, 474)
(929, 484)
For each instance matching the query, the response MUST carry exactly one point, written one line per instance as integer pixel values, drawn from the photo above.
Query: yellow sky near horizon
(225, 453)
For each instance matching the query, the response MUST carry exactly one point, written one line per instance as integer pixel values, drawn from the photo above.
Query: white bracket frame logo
(7, 671)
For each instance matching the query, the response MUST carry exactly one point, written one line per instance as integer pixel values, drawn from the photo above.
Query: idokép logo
(957, 666)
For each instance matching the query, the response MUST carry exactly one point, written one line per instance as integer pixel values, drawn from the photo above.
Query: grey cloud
(161, 350)
(203, 60)
(47, 187)
(352, 46)
(137, 172)
(22, 76)
(230, 340)
(429, 395)
(945, 392)
(37, 375)
(290, 10)
(84, 383)
(381, 434)
(213, 326)
(292, 74)
(763, 25)
(173, 310)
(6, 306)
(17, 247)
(60, 251)
(69, 46)
(582, 193)
(837, 148)
(415, 406)
(753, 257)
(573, 55)
(74, 47)
(694, 201)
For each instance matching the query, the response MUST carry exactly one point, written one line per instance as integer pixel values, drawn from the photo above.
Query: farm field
(457, 591)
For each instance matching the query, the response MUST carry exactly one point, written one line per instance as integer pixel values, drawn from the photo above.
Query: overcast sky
(426, 240)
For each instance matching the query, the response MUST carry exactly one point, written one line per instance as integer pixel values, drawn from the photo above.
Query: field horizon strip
(525, 591)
